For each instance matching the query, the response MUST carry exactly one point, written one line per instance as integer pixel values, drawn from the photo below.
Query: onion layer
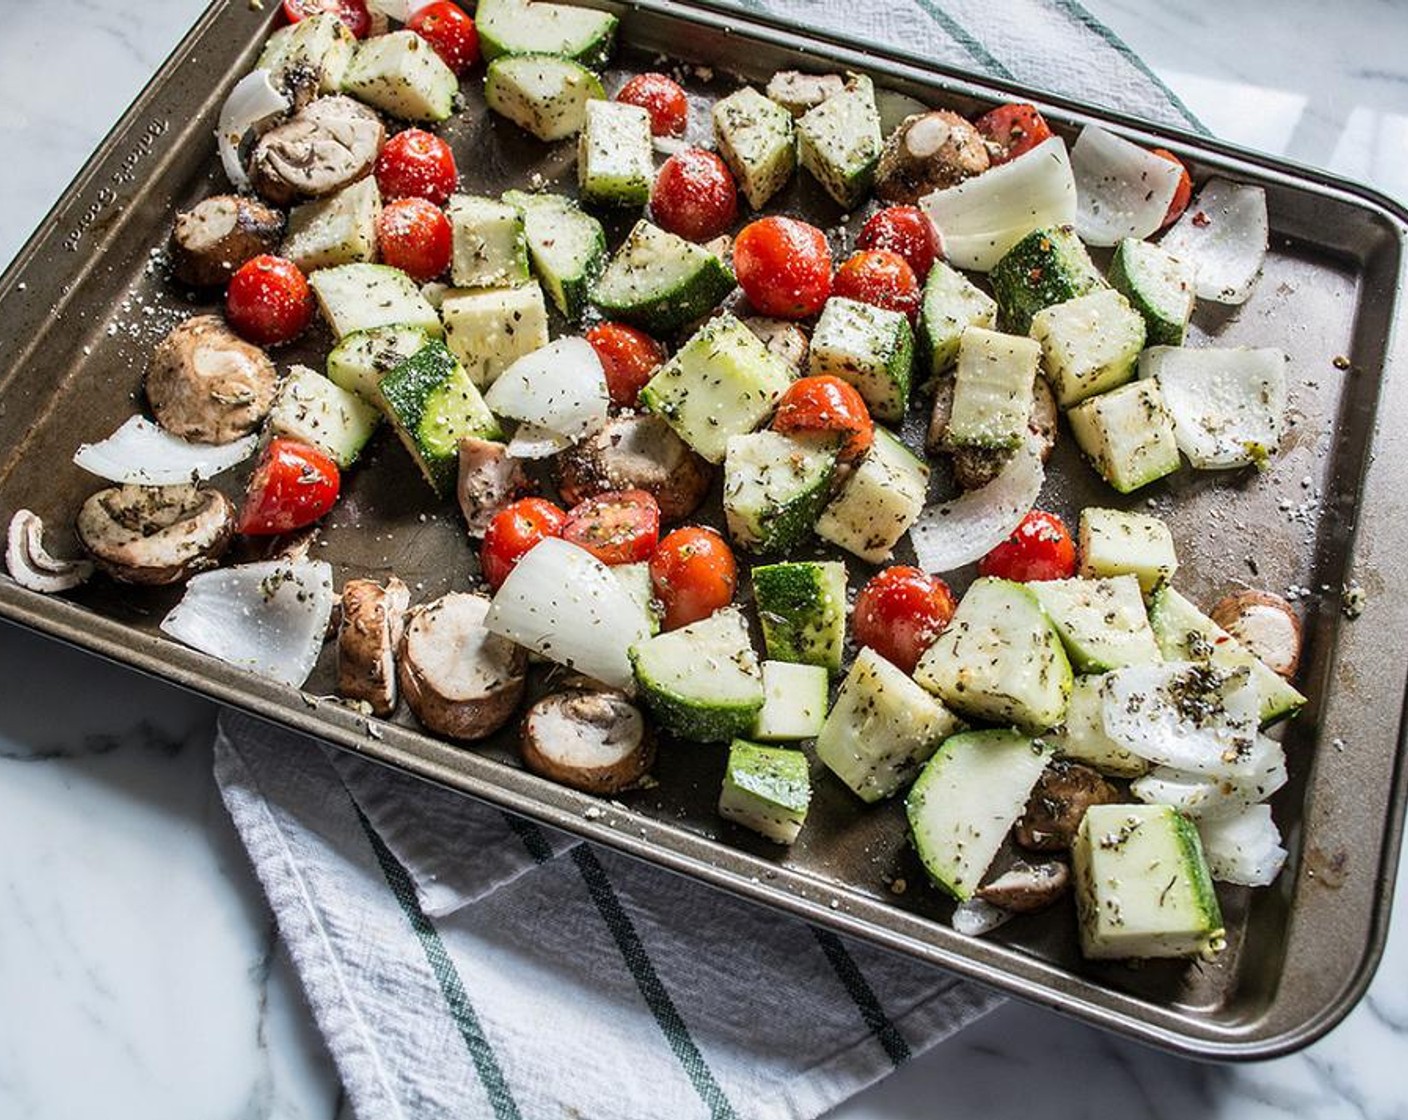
(254, 100)
(143, 453)
(560, 387)
(1122, 189)
(1243, 847)
(1223, 235)
(966, 529)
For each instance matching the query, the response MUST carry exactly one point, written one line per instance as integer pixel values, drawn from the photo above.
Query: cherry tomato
(783, 267)
(1012, 130)
(268, 301)
(900, 612)
(694, 574)
(662, 98)
(694, 195)
(826, 404)
(1039, 548)
(906, 231)
(879, 277)
(1183, 193)
(617, 527)
(416, 164)
(628, 356)
(353, 13)
(514, 530)
(415, 236)
(293, 485)
(452, 33)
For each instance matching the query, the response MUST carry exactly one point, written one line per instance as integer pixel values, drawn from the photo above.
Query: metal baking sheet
(86, 299)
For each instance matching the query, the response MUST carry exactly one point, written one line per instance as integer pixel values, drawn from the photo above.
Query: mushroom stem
(30, 563)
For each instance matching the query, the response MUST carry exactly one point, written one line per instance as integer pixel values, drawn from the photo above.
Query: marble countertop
(140, 972)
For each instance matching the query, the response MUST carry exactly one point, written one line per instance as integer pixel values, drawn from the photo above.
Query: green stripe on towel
(866, 1001)
(446, 975)
(960, 34)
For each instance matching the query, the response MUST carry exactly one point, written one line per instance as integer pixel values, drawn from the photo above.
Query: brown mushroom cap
(323, 147)
(927, 152)
(1266, 624)
(1024, 887)
(208, 385)
(371, 622)
(590, 740)
(1058, 803)
(635, 452)
(460, 680)
(155, 535)
(489, 479)
(210, 241)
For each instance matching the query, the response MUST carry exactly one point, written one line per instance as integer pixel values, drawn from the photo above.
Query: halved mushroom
(1266, 624)
(975, 467)
(1024, 886)
(1058, 803)
(156, 535)
(489, 480)
(797, 92)
(590, 740)
(210, 241)
(371, 622)
(322, 148)
(460, 680)
(927, 152)
(635, 452)
(782, 337)
(208, 385)
(29, 561)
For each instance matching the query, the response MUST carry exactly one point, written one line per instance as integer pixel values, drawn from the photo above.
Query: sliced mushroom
(590, 740)
(927, 152)
(635, 452)
(797, 92)
(460, 680)
(1057, 805)
(489, 480)
(1266, 624)
(782, 337)
(322, 148)
(210, 241)
(975, 467)
(155, 535)
(1024, 886)
(208, 385)
(371, 622)
(29, 561)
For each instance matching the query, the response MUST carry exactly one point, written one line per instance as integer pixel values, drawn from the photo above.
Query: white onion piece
(399, 10)
(1228, 404)
(1223, 234)
(533, 442)
(961, 531)
(1243, 847)
(270, 617)
(1122, 189)
(671, 145)
(144, 453)
(974, 917)
(253, 101)
(981, 218)
(1201, 795)
(564, 603)
(560, 387)
(1186, 715)
(895, 108)
(29, 562)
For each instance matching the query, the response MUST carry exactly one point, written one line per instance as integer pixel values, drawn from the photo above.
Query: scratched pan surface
(86, 300)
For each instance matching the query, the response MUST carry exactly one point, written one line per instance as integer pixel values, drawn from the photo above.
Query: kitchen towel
(465, 963)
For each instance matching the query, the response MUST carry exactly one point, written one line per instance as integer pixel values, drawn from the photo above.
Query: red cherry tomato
(268, 301)
(879, 277)
(662, 98)
(353, 13)
(415, 236)
(826, 404)
(1039, 548)
(1012, 130)
(452, 33)
(514, 530)
(694, 574)
(694, 195)
(293, 485)
(1183, 193)
(416, 164)
(628, 356)
(783, 267)
(617, 527)
(906, 231)
(900, 612)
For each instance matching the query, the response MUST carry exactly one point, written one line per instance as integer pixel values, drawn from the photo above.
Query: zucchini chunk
(993, 391)
(775, 486)
(567, 246)
(1047, 267)
(702, 681)
(839, 142)
(340, 229)
(802, 610)
(951, 303)
(1127, 434)
(757, 139)
(870, 347)
(541, 93)
(1089, 344)
(766, 789)
(614, 155)
(490, 249)
(584, 35)
(490, 329)
(660, 281)
(401, 74)
(312, 409)
(794, 702)
(359, 297)
(881, 499)
(1158, 285)
(1114, 542)
(1102, 622)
